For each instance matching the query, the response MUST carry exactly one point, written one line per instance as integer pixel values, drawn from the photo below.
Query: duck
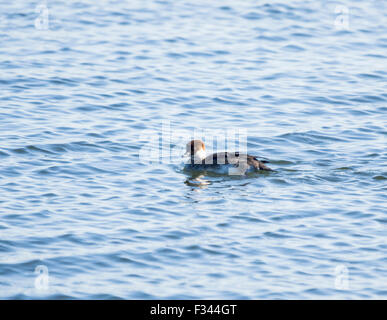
(232, 163)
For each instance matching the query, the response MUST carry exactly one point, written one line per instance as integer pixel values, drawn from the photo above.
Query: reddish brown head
(195, 148)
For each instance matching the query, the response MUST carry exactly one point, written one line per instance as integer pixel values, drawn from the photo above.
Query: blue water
(78, 93)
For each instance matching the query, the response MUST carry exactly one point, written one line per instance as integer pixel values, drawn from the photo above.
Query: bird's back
(220, 159)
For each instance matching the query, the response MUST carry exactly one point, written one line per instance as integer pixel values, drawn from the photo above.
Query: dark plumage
(240, 163)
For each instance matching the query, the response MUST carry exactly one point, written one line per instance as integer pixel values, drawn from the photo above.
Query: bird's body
(233, 163)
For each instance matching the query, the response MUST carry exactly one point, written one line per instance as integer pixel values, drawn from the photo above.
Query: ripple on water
(76, 197)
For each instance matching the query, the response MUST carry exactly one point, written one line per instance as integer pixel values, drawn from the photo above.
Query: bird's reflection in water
(196, 180)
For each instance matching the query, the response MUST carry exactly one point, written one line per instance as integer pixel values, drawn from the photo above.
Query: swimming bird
(233, 163)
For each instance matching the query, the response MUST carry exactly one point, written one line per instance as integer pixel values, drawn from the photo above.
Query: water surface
(75, 103)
